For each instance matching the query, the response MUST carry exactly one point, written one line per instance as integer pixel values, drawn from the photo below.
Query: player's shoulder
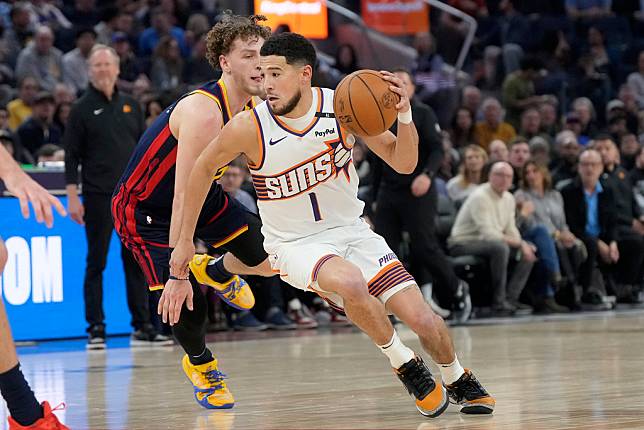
(197, 106)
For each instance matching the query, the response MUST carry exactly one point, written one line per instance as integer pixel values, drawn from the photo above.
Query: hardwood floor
(584, 373)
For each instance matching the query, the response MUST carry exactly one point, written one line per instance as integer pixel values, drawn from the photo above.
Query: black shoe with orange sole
(431, 398)
(470, 395)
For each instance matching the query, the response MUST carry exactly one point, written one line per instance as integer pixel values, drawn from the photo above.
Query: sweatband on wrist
(405, 117)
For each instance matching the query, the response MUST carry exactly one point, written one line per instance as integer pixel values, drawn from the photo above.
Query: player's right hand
(174, 295)
(76, 210)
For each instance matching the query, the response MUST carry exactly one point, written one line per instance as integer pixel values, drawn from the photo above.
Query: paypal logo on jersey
(325, 133)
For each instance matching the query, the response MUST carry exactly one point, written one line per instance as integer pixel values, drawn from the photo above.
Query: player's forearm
(405, 152)
(198, 183)
(176, 218)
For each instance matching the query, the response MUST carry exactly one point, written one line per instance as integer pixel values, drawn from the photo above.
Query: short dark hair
(517, 141)
(294, 47)
(220, 38)
(530, 62)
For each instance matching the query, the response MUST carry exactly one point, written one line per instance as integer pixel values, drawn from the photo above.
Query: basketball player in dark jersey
(147, 203)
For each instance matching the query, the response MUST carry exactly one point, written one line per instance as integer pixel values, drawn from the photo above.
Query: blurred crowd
(547, 115)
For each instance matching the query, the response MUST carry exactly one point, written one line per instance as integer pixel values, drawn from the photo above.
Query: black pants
(401, 211)
(98, 231)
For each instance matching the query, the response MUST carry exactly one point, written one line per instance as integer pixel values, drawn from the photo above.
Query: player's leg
(345, 279)
(23, 407)
(464, 389)
(246, 255)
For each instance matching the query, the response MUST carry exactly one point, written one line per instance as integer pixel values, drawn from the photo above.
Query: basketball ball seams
(384, 123)
(351, 105)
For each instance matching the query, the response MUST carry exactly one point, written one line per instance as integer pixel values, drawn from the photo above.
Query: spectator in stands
(40, 129)
(596, 68)
(591, 214)
(61, 115)
(567, 149)
(518, 89)
(531, 125)
(130, 67)
(573, 124)
(462, 128)
(108, 25)
(499, 151)
(492, 127)
(628, 148)
(550, 124)
(469, 177)
(346, 59)
(83, 14)
(436, 87)
(536, 187)
(20, 109)
(585, 111)
(636, 80)
(63, 93)
(617, 126)
(196, 27)
(630, 230)
(50, 152)
(198, 69)
(485, 226)
(167, 65)
(41, 60)
(75, 61)
(19, 33)
(471, 100)
(636, 178)
(629, 106)
(588, 9)
(161, 26)
(46, 13)
(152, 110)
(540, 150)
(519, 155)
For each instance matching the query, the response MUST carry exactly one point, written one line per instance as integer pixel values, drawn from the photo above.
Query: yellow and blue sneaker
(235, 292)
(211, 391)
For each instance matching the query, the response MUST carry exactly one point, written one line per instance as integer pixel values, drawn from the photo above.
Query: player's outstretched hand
(174, 295)
(29, 191)
(397, 87)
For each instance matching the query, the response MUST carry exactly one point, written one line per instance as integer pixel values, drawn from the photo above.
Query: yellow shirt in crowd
(18, 113)
(484, 134)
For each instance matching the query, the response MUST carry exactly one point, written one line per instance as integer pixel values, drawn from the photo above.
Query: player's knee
(349, 284)
(3, 256)
(424, 322)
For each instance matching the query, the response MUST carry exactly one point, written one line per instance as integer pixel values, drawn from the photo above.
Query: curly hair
(220, 38)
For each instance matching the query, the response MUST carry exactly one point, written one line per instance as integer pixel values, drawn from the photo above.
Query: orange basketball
(364, 105)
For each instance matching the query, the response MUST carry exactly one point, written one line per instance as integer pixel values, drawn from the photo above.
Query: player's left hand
(420, 185)
(397, 87)
(174, 295)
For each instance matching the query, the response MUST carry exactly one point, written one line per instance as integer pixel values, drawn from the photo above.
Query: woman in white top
(462, 185)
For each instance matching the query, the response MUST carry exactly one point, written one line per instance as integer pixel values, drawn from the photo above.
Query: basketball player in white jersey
(307, 186)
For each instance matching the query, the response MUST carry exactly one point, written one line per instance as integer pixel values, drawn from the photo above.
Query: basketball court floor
(584, 371)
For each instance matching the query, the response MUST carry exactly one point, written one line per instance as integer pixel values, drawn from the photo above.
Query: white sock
(396, 351)
(451, 372)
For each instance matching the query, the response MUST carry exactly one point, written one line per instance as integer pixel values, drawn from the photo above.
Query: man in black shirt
(40, 129)
(102, 131)
(409, 203)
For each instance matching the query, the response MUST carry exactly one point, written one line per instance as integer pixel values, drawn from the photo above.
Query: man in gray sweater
(485, 226)
(41, 60)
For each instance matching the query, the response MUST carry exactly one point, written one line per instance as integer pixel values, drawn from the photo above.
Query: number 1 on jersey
(316, 207)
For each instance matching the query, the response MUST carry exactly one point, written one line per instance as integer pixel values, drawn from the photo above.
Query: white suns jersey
(305, 182)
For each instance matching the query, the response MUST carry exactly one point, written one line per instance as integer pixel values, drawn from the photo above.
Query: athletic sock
(451, 372)
(396, 351)
(203, 358)
(216, 270)
(22, 404)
